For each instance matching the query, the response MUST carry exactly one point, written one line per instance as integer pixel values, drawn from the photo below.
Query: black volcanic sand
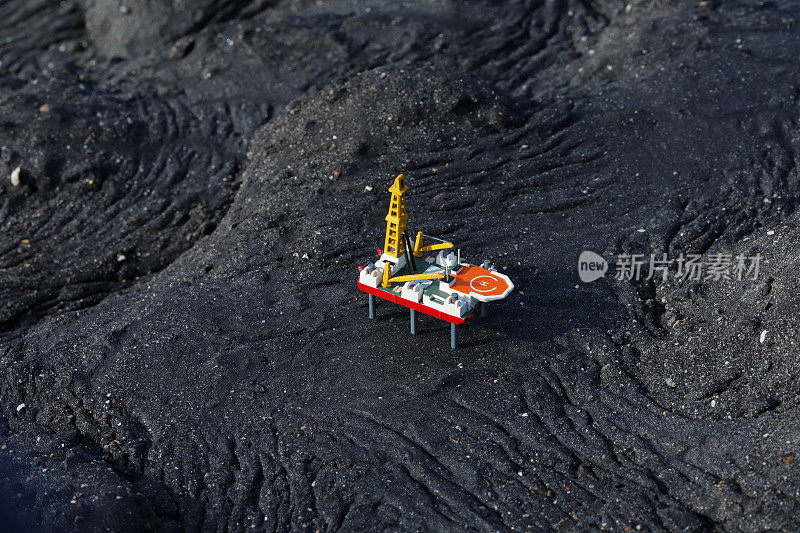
(182, 346)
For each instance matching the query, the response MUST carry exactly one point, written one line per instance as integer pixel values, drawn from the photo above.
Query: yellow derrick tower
(396, 219)
(396, 239)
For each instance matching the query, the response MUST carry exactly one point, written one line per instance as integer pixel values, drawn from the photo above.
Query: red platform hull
(411, 305)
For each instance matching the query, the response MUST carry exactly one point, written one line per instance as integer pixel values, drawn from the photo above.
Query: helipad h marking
(487, 286)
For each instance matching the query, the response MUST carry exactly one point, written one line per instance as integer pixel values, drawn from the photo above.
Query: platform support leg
(485, 309)
(413, 322)
(372, 306)
(453, 336)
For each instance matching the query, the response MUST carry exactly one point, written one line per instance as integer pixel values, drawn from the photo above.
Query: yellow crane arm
(432, 247)
(412, 277)
(387, 281)
(419, 248)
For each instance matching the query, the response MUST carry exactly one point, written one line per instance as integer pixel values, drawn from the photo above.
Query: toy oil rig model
(426, 277)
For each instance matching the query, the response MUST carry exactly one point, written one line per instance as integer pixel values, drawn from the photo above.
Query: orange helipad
(483, 284)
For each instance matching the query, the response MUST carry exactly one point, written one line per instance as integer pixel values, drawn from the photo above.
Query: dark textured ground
(181, 343)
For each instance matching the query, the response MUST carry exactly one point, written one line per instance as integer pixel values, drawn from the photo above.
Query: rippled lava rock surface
(182, 346)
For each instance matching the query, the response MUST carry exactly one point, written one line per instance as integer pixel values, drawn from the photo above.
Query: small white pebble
(771, 232)
(121, 257)
(15, 176)
(640, 230)
(763, 336)
(20, 407)
(713, 403)
(368, 188)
